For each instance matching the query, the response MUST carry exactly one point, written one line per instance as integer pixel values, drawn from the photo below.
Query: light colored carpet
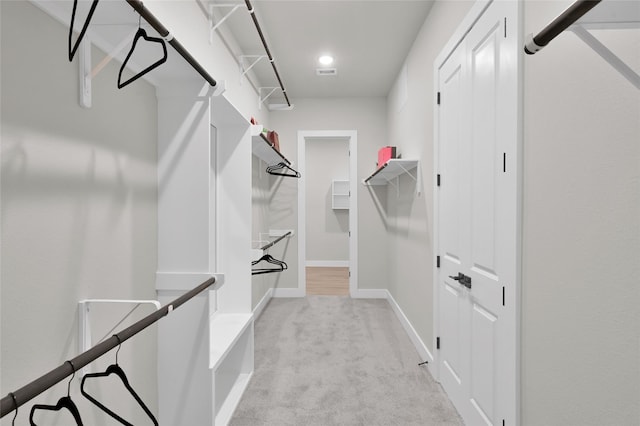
(327, 360)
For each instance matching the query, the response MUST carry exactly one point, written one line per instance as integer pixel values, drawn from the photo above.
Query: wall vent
(326, 71)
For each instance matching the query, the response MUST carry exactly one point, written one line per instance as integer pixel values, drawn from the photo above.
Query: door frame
(303, 137)
(516, 97)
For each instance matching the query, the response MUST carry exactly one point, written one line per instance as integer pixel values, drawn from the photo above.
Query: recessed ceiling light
(325, 60)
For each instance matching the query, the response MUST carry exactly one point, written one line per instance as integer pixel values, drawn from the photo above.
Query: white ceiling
(369, 40)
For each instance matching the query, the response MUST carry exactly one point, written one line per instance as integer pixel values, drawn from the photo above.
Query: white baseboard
(369, 294)
(411, 332)
(327, 263)
(288, 292)
(262, 304)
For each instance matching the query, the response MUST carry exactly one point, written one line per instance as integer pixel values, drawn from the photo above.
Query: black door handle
(462, 279)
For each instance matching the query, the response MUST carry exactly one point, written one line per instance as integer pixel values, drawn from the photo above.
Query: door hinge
(437, 261)
(438, 180)
(349, 274)
(505, 27)
(438, 98)
(349, 233)
(503, 293)
(437, 343)
(504, 162)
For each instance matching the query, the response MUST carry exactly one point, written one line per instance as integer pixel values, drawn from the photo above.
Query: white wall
(367, 117)
(188, 22)
(409, 217)
(580, 335)
(580, 296)
(327, 229)
(79, 208)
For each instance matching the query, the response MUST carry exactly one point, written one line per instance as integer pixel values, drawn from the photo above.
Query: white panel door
(477, 205)
(453, 299)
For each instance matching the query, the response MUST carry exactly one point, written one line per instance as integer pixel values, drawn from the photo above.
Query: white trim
(303, 135)
(257, 311)
(473, 15)
(370, 293)
(328, 263)
(422, 349)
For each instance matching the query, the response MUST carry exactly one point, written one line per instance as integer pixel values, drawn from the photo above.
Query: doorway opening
(327, 213)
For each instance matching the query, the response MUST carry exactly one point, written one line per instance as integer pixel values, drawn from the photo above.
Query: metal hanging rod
(266, 48)
(561, 23)
(165, 34)
(23, 395)
(274, 242)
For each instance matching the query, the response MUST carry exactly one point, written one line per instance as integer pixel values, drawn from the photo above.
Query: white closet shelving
(391, 170)
(340, 195)
(263, 149)
(610, 15)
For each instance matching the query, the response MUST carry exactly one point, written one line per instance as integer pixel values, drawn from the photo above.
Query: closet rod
(266, 48)
(36, 387)
(561, 23)
(165, 34)
(274, 242)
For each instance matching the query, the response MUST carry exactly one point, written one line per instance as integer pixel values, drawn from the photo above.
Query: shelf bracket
(262, 99)
(87, 74)
(84, 74)
(606, 54)
(416, 178)
(214, 25)
(255, 58)
(84, 323)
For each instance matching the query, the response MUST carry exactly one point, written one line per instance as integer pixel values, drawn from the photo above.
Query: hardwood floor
(323, 281)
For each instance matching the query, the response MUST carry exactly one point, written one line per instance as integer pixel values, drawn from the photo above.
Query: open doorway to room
(326, 213)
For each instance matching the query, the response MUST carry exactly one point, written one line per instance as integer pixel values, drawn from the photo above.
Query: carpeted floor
(327, 360)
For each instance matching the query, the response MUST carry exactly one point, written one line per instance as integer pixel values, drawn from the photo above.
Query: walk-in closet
(319, 212)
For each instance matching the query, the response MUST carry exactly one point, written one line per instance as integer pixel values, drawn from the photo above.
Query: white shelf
(612, 14)
(392, 169)
(225, 412)
(225, 330)
(263, 149)
(340, 195)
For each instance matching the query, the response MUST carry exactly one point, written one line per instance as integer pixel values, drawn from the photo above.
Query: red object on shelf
(385, 154)
(272, 137)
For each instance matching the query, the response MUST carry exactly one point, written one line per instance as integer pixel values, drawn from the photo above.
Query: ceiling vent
(326, 71)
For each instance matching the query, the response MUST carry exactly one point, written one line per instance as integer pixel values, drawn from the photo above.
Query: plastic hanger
(72, 50)
(142, 34)
(273, 170)
(115, 369)
(64, 402)
(269, 259)
(15, 401)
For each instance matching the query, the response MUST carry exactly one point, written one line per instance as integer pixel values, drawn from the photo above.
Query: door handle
(462, 279)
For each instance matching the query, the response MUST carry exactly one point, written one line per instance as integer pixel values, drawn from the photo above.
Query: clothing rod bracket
(84, 321)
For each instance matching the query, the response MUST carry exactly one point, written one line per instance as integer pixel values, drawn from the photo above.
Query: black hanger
(142, 33)
(72, 50)
(270, 259)
(273, 170)
(281, 266)
(15, 401)
(64, 402)
(115, 369)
